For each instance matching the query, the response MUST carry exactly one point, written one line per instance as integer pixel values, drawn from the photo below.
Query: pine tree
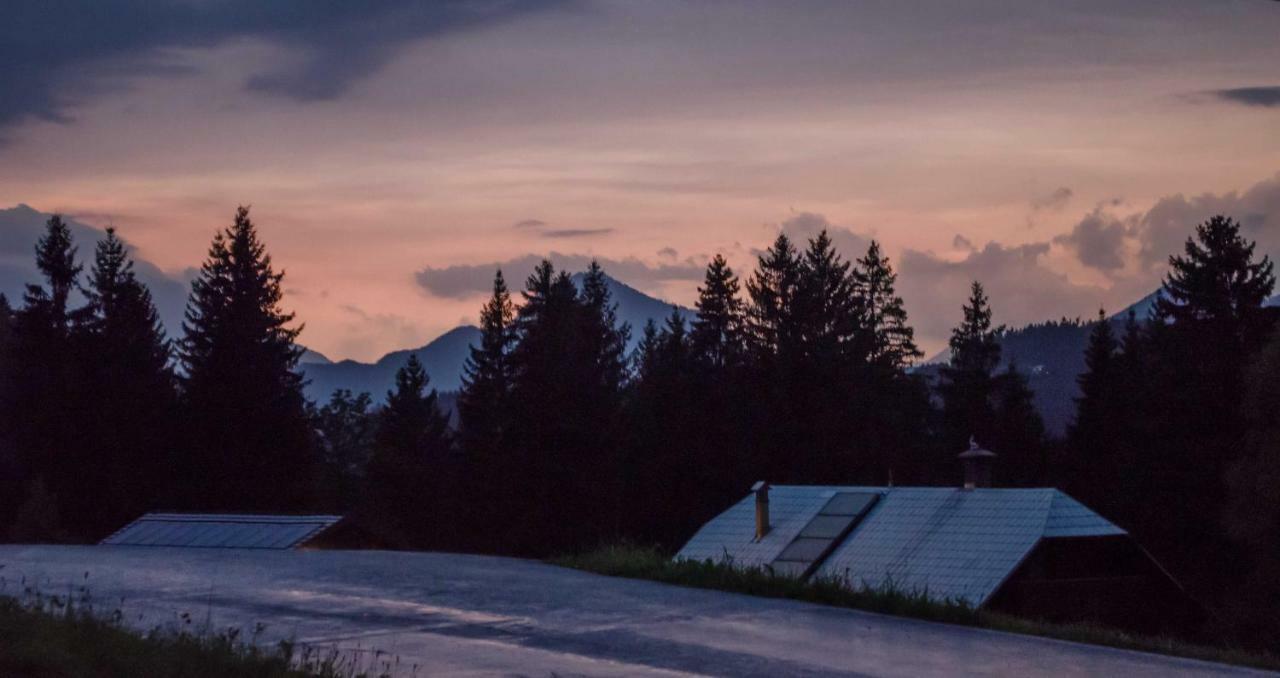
(128, 381)
(1096, 383)
(827, 308)
(1217, 282)
(345, 428)
(718, 333)
(56, 259)
(249, 446)
(968, 384)
(567, 366)
(44, 402)
(1018, 431)
(770, 317)
(891, 339)
(410, 450)
(12, 482)
(486, 380)
(607, 338)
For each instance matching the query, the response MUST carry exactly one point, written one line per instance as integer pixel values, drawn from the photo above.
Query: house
(1032, 552)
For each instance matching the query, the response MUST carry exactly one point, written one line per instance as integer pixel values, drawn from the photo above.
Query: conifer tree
(566, 404)
(968, 384)
(770, 317)
(1097, 384)
(828, 311)
(607, 338)
(345, 428)
(249, 446)
(127, 378)
(486, 380)
(410, 450)
(891, 339)
(718, 331)
(44, 401)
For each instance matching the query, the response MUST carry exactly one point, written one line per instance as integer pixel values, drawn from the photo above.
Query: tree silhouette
(718, 332)
(250, 443)
(127, 379)
(404, 472)
(892, 340)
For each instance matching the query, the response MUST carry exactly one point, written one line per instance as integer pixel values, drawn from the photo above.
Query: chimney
(977, 465)
(762, 508)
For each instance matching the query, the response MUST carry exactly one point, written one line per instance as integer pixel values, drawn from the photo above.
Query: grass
(637, 562)
(56, 637)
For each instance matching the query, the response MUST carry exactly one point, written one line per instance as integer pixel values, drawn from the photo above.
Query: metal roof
(951, 542)
(221, 530)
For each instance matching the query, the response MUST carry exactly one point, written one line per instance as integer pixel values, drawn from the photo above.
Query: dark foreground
(472, 615)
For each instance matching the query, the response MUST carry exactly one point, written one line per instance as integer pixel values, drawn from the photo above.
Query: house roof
(951, 542)
(221, 530)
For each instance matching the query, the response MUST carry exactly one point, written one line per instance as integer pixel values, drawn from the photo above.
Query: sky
(395, 153)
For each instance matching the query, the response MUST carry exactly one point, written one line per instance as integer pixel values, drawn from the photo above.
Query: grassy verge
(52, 638)
(649, 563)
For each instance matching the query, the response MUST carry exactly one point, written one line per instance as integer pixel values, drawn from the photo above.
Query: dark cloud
(1098, 240)
(1052, 202)
(529, 223)
(576, 232)
(470, 280)
(1021, 287)
(1265, 97)
(55, 54)
(668, 253)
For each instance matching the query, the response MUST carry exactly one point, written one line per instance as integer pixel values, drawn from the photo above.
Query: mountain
(635, 308)
(22, 226)
(444, 357)
(1051, 354)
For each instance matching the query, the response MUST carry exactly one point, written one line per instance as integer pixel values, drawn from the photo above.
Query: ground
(447, 614)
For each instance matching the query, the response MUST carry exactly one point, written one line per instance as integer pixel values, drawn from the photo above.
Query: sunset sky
(394, 155)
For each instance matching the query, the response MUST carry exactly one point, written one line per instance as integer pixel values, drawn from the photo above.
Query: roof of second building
(950, 542)
(222, 530)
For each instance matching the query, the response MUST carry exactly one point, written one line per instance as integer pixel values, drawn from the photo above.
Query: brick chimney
(761, 489)
(977, 465)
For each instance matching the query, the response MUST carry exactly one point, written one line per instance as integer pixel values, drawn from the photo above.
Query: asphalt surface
(432, 614)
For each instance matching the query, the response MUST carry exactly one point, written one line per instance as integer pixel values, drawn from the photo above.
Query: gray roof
(221, 530)
(950, 542)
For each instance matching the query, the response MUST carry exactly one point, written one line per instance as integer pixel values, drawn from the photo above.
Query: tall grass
(62, 636)
(638, 562)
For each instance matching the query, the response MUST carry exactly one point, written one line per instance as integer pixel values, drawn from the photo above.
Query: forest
(800, 371)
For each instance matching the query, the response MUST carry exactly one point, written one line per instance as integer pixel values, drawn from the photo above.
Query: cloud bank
(57, 54)
(465, 281)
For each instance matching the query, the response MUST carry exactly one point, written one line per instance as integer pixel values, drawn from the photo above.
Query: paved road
(444, 614)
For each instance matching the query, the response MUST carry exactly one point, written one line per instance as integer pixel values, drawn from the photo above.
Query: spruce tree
(828, 310)
(967, 382)
(249, 446)
(410, 449)
(128, 380)
(486, 380)
(565, 410)
(891, 339)
(771, 328)
(718, 332)
(45, 402)
(607, 338)
(344, 429)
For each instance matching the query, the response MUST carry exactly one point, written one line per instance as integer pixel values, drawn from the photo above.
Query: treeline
(801, 372)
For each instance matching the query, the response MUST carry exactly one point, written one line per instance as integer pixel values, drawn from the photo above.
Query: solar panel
(198, 530)
(816, 540)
